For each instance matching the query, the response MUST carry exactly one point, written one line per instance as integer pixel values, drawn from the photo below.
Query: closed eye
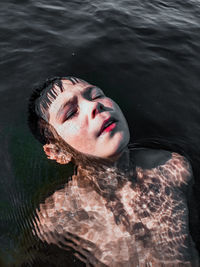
(97, 93)
(97, 96)
(70, 114)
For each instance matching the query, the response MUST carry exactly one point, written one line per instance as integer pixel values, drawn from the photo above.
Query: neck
(120, 165)
(106, 177)
(123, 162)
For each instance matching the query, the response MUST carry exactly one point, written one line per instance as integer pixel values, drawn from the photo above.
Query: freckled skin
(154, 204)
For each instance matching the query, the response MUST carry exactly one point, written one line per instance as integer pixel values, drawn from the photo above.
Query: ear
(54, 153)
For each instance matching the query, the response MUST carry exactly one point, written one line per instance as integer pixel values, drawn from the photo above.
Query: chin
(117, 149)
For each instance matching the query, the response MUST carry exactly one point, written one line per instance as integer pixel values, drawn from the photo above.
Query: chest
(142, 211)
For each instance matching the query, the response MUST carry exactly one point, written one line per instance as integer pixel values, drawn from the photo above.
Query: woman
(123, 206)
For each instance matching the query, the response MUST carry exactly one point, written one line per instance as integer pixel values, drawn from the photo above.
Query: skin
(154, 205)
(157, 233)
(79, 122)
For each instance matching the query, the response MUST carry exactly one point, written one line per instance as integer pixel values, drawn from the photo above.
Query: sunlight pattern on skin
(153, 232)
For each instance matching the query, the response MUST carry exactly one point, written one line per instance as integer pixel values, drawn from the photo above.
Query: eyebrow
(72, 100)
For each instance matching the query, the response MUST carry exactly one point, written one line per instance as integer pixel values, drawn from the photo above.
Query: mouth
(108, 125)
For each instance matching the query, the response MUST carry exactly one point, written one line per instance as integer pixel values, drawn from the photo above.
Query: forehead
(56, 93)
(69, 90)
(70, 87)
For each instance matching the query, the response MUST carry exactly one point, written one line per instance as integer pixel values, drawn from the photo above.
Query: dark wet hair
(38, 120)
(91, 171)
(38, 108)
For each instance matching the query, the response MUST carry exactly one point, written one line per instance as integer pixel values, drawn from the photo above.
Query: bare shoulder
(146, 158)
(174, 166)
(179, 168)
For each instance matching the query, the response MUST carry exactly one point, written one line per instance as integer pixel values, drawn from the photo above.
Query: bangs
(49, 94)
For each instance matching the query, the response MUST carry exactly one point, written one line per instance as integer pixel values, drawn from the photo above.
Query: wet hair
(91, 171)
(38, 120)
(38, 108)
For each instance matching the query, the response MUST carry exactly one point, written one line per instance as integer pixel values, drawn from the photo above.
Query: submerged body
(142, 221)
(123, 207)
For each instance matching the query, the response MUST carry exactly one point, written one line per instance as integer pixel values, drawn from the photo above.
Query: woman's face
(80, 115)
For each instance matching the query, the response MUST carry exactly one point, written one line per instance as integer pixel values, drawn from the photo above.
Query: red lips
(105, 123)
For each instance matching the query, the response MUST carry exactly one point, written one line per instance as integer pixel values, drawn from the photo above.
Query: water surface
(145, 55)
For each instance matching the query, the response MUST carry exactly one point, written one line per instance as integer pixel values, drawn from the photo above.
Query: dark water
(143, 54)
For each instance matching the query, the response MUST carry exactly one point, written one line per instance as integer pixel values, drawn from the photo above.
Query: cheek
(75, 135)
(80, 143)
(117, 109)
(72, 132)
(112, 104)
(73, 129)
(109, 102)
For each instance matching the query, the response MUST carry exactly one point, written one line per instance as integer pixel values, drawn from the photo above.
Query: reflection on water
(146, 54)
(137, 219)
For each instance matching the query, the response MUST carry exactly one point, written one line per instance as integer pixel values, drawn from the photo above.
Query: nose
(96, 108)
